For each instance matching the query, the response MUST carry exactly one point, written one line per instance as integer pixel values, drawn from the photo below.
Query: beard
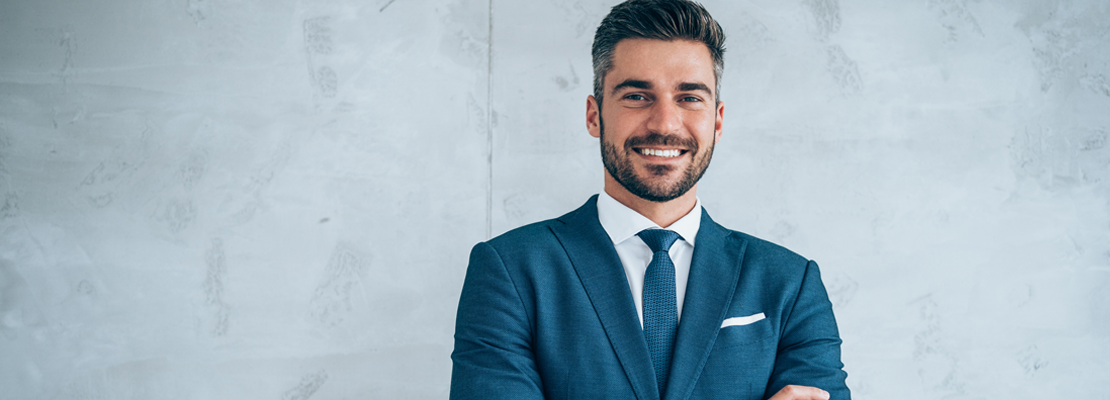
(654, 187)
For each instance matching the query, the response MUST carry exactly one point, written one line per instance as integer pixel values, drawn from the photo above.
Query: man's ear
(593, 116)
(720, 126)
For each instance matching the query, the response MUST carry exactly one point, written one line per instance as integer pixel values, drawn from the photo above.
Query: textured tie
(660, 303)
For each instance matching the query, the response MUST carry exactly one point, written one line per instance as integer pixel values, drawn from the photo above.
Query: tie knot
(658, 239)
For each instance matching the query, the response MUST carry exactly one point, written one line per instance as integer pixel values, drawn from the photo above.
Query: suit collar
(714, 273)
(599, 268)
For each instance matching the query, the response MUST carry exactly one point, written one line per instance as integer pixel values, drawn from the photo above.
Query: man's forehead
(682, 65)
(652, 60)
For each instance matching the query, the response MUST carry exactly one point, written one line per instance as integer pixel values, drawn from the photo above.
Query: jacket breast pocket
(742, 335)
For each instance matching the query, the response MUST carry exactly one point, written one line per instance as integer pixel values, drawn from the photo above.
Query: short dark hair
(656, 19)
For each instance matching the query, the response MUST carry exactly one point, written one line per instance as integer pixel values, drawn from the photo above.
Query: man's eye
(691, 99)
(635, 97)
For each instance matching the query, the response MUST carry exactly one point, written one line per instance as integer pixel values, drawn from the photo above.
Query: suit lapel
(599, 268)
(714, 273)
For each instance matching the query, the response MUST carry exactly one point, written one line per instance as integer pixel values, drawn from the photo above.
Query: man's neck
(661, 213)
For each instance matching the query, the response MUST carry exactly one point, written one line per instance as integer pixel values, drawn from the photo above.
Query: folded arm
(493, 357)
(809, 349)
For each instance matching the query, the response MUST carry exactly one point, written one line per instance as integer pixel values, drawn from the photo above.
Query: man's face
(660, 119)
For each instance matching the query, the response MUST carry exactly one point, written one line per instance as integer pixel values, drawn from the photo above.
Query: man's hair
(656, 19)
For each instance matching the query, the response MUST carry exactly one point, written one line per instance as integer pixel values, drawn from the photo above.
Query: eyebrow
(632, 83)
(689, 87)
(645, 85)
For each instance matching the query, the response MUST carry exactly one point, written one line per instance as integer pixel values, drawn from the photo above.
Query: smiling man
(638, 294)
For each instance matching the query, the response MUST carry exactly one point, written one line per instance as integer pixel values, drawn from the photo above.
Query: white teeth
(660, 153)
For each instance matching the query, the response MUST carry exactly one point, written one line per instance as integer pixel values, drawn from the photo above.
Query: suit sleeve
(493, 357)
(809, 349)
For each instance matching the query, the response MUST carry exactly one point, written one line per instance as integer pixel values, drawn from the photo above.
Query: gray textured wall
(245, 199)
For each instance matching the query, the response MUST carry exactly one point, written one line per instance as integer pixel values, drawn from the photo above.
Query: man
(638, 294)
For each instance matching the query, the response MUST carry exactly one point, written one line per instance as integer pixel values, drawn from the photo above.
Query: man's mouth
(661, 146)
(661, 153)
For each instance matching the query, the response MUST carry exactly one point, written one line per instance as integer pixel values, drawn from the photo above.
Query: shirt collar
(622, 223)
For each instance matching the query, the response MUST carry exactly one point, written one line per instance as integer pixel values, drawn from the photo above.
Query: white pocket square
(740, 321)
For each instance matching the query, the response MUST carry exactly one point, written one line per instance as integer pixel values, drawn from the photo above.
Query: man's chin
(660, 182)
(662, 174)
(655, 190)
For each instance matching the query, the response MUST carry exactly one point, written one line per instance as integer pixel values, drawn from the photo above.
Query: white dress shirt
(623, 223)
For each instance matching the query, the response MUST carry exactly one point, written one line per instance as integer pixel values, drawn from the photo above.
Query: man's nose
(665, 118)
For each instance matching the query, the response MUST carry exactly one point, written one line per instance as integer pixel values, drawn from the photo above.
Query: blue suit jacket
(546, 312)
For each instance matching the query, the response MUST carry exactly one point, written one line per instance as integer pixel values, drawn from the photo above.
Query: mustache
(658, 139)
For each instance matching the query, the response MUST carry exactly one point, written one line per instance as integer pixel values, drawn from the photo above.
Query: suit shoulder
(541, 232)
(531, 233)
(538, 240)
(773, 265)
(767, 251)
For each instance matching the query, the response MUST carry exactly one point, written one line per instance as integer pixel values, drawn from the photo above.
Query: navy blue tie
(660, 303)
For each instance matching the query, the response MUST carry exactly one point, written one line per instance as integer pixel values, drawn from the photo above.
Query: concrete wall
(243, 199)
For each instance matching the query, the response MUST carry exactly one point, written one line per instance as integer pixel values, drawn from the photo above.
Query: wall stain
(327, 81)
(216, 274)
(1096, 83)
(105, 178)
(955, 17)
(178, 214)
(782, 230)
(85, 288)
(826, 14)
(1069, 51)
(116, 172)
(1096, 140)
(198, 10)
(476, 115)
(68, 43)
(193, 168)
(331, 303)
(466, 36)
(1031, 361)
(1052, 57)
(936, 365)
(566, 84)
(843, 70)
(108, 171)
(515, 206)
(578, 15)
(9, 200)
(842, 289)
(258, 181)
(317, 36)
(1062, 158)
(318, 43)
(307, 387)
(9, 205)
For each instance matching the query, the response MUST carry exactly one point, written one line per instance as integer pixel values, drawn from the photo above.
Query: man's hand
(795, 392)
